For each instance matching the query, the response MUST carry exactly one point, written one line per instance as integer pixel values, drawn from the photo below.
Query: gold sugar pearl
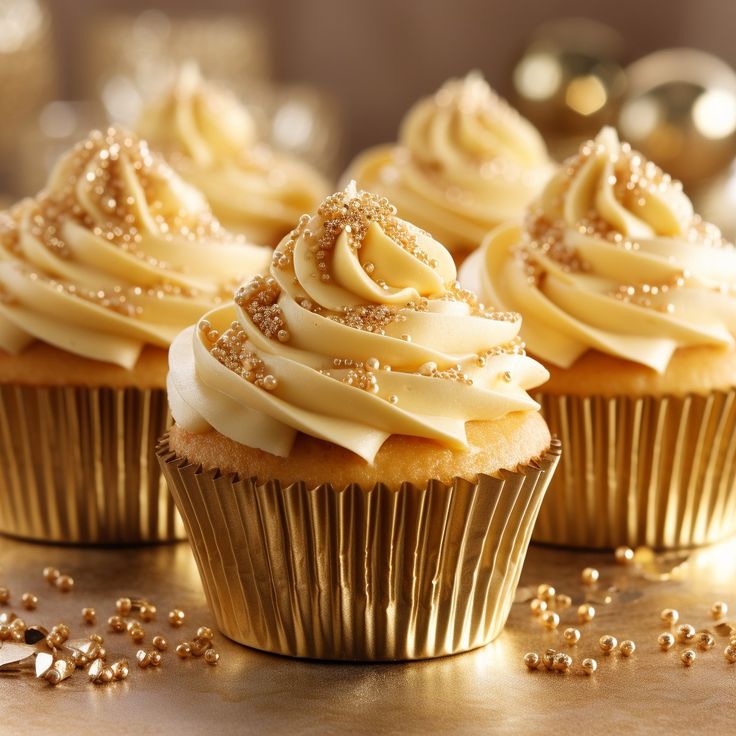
(561, 662)
(545, 592)
(4, 596)
(705, 640)
(184, 650)
(120, 669)
(687, 657)
(685, 633)
(97, 638)
(89, 615)
(666, 641)
(137, 634)
(563, 601)
(123, 606)
(532, 660)
(143, 658)
(211, 656)
(538, 606)
(205, 632)
(719, 609)
(5, 632)
(730, 653)
(51, 574)
(29, 601)
(116, 624)
(550, 620)
(607, 643)
(586, 613)
(589, 666)
(64, 583)
(160, 643)
(589, 576)
(624, 555)
(177, 617)
(627, 647)
(107, 675)
(670, 616)
(147, 612)
(571, 635)
(548, 658)
(154, 657)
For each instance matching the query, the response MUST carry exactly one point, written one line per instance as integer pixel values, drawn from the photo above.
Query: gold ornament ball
(666, 641)
(589, 666)
(627, 647)
(687, 657)
(569, 80)
(680, 111)
(532, 660)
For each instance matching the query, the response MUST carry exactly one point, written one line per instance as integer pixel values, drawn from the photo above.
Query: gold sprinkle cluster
(231, 349)
(258, 298)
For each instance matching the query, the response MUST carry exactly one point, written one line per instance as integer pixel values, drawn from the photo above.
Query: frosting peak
(465, 162)
(612, 257)
(211, 140)
(360, 331)
(117, 252)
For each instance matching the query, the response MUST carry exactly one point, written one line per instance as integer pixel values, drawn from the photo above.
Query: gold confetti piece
(44, 662)
(12, 653)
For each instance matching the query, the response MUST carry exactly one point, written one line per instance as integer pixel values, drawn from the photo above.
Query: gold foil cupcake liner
(358, 574)
(78, 465)
(655, 471)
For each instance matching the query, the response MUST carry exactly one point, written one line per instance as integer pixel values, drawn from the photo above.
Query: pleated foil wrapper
(654, 471)
(354, 574)
(78, 466)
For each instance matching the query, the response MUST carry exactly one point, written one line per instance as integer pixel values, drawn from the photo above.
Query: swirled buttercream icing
(611, 257)
(211, 140)
(117, 252)
(359, 332)
(465, 162)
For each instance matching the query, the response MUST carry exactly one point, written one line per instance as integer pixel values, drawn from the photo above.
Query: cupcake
(211, 141)
(465, 162)
(355, 455)
(98, 273)
(629, 300)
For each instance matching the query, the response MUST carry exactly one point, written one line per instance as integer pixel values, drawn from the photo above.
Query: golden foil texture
(355, 574)
(655, 471)
(78, 465)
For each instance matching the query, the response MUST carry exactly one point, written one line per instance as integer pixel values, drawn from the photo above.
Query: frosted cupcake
(628, 299)
(355, 455)
(98, 273)
(465, 162)
(211, 141)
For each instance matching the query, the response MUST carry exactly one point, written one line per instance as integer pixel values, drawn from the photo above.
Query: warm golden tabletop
(486, 691)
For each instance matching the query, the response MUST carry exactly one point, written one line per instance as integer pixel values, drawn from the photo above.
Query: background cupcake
(211, 140)
(628, 299)
(98, 273)
(465, 162)
(355, 456)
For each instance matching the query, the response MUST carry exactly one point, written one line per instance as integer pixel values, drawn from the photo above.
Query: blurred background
(325, 79)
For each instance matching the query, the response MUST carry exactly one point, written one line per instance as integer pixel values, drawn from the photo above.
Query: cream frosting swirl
(611, 257)
(465, 162)
(117, 252)
(359, 332)
(211, 140)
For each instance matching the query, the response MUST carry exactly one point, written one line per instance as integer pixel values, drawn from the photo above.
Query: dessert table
(486, 691)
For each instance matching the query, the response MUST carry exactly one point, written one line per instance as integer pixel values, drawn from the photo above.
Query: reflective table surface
(486, 691)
